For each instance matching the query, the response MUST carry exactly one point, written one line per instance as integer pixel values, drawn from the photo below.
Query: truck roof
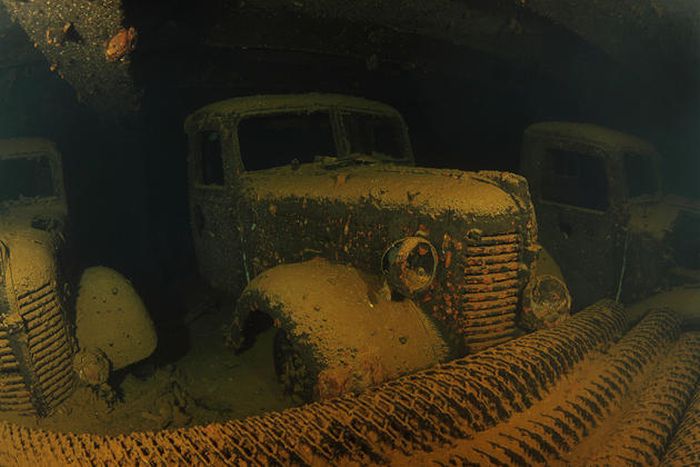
(25, 146)
(595, 134)
(274, 102)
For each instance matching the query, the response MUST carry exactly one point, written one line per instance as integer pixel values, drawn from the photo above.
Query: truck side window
(641, 179)
(374, 135)
(25, 177)
(212, 163)
(275, 140)
(575, 179)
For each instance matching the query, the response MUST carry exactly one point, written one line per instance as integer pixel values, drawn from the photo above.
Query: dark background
(467, 95)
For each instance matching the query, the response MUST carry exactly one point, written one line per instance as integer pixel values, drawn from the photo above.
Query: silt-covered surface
(351, 331)
(481, 225)
(432, 191)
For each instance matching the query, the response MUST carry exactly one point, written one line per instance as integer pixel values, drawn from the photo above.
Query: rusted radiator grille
(47, 377)
(490, 291)
(14, 395)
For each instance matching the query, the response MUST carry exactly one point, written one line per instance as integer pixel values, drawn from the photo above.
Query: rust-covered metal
(36, 347)
(409, 265)
(342, 325)
(480, 275)
(351, 209)
(36, 343)
(37, 327)
(546, 302)
(603, 214)
(81, 43)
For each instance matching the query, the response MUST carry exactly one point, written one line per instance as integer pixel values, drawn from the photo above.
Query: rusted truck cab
(38, 342)
(36, 347)
(283, 187)
(237, 142)
(603, 214)
(31, 185)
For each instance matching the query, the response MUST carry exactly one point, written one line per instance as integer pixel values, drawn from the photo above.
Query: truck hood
(388, 185)
(30, 257)
(48, 216)
(658, 217)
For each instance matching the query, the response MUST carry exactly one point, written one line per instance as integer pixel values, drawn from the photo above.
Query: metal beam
(73, 36)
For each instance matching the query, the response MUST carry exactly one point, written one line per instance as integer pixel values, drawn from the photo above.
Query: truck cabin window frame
(211, 159)
(575, 179)
(27, 177)
(641, 177)
(375, 135)
(272, 140)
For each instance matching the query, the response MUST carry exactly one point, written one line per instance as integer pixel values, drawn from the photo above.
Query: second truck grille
(41, 376)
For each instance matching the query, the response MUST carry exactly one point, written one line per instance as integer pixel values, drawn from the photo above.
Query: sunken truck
(604, 216)
(51, 340)
(307, 212)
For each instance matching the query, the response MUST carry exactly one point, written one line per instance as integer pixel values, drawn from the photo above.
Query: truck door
(213, 210)
(579, 214)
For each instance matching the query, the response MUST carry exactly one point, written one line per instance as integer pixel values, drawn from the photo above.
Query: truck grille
(40, 377)
(490, 291)
(14, 395)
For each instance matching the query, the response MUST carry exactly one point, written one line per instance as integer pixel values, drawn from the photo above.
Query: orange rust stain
(448, 259)
(121, 44)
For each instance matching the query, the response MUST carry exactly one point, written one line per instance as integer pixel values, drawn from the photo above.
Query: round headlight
(546, 303)
(409, 265)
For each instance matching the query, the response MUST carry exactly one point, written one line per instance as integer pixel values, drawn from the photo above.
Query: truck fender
(111, 318)
(339, 330)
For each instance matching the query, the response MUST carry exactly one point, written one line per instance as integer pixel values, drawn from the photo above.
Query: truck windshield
(641, 175)
(25, 177)
(275, 140)
(374, 135)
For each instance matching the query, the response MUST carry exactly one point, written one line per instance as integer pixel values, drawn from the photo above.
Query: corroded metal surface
(490, 293)
(480, 273)
(479, 227)
(343, 325)
(36, 344)
(73, 36)
(603, 215)
(45, 359)
(36, 347)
